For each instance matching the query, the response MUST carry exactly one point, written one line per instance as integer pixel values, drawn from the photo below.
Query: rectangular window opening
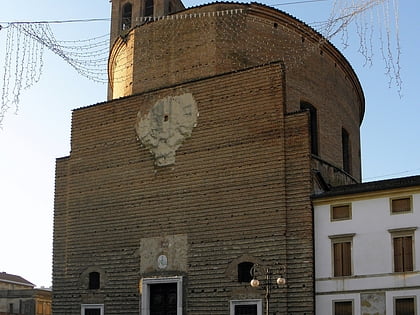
(403, 253)
(343, 308)
(92, 309)
(401, 205)
(246, 307)
(405, 306)
(340, 212)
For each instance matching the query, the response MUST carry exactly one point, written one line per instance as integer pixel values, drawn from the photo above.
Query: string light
(26, 43)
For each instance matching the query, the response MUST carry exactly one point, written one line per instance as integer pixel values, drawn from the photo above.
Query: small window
(340, 212)
(92, 309)
(343, 308)
(401, 205)
(404, 306)
(94, 280)
(246, 307)
(403, 253)
(127, 12)
(149, 8)
(244, 271)
(346, 150)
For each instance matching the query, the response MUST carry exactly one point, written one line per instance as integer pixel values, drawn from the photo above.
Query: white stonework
(166, 125)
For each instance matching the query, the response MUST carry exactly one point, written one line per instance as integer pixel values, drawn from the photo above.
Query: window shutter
(346, 258)
(341, 212)
(343, 308)
(408, 253)
(401, 205)
(338, 261)
(398, 255)
(404, 306)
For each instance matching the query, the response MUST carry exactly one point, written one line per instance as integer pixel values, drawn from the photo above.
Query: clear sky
(32, 139)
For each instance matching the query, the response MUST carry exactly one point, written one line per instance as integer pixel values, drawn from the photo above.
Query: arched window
(127, 12)
(94, 280)
(149, 8)
(244, 271)
(346, 150)
(313, 125)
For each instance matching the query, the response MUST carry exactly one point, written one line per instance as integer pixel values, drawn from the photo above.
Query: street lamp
(267, 284)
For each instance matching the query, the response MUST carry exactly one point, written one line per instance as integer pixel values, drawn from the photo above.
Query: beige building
(19, 297)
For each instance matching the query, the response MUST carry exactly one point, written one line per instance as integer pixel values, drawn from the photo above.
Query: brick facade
(239, 190)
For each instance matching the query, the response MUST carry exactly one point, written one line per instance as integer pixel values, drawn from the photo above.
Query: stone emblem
(166, 126)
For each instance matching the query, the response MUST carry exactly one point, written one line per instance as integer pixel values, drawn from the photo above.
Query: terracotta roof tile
(5, 277)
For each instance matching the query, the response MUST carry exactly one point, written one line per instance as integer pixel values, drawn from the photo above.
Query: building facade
(202, 163)
(367, 252)
(19, 297)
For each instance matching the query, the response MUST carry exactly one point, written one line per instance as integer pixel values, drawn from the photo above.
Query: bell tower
(128, 13)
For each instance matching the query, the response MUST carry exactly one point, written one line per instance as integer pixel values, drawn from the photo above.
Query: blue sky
(32, 139)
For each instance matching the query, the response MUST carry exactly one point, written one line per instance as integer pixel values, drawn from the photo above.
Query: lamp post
(267, 284)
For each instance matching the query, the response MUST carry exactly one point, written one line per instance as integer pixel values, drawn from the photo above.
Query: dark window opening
(149, 8)
(313, 127)
(250, 309)
(244, 271)
(92, 311)
(404, 306)
(343, 308)
(345, 142)
(403, 254)
(127, 12)
(163, 299)
(94, 280)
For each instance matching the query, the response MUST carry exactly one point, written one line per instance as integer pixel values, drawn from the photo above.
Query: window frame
(399, 198)
(338, 239)
(92, 306)
(145, 292)
(234, 303)
(394, 303)
(398, 233)
(332, 219)
(341, 301)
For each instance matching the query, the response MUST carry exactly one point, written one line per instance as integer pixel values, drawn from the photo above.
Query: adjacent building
(19, 297)
(367, 249)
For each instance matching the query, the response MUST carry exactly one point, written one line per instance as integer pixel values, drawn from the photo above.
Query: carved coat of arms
(166, 125)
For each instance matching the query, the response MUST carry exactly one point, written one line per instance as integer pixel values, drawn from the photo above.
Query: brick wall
(220, 38)
(239, 188)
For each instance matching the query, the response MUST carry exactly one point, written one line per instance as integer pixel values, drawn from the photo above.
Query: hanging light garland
(26, 43)
(24, 58)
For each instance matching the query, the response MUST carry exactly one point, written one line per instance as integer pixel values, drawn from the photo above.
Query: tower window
(94, 280)
(346, 150)
(313, 125)
(126, 16)
(149, 8)
(244, 271)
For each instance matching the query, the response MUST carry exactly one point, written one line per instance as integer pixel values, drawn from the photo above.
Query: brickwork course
(241, 184)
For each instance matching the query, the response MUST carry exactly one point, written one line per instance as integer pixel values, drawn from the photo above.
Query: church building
(196, 175)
